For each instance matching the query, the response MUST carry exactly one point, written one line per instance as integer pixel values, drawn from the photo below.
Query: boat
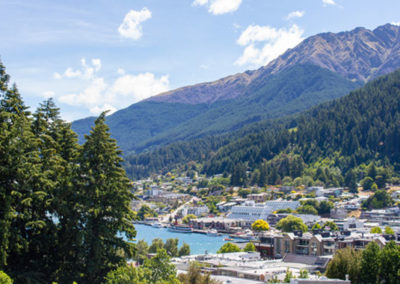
(180, 229)
(228, 239)
(212, 233)
(157, 225)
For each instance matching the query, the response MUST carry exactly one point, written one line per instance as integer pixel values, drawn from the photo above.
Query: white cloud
(200, 2)
(395, 23)
(264, 43)
(328, 2)
(48, 94)
(295, 14)
(105, 107)
(86, 72)
(131, 26)
(219, 7)
(139, 86)
(98, 95)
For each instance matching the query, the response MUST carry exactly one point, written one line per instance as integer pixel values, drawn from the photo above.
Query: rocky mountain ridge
(358, 55)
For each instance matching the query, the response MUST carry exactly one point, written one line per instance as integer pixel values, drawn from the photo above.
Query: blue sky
(93, 55)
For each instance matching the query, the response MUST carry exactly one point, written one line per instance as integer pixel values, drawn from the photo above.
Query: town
(305, 226)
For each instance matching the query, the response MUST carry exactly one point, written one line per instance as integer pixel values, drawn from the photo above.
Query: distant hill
(287, 85)
(361, 127)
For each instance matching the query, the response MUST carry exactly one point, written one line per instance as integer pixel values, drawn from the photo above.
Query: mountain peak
(359, 55)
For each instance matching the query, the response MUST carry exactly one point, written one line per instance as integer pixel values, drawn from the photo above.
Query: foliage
(380, 199)
(345, 261)
(156, 245)
(159, 268)
(373, 265)
(156, 270)
(228, 248)
(307, 209)
(65, 210)
(316, 226)
(303, 273)
(107, 196)
(243, 192)
(142, 250)
(325, 207)
(188, 217)
(195, 276)
(260, 225)
(389, 230)
(290, 224)
(376, 230)
(184, 250)
(370, 263)
(249, 247)
(125, 275)
(145, 211)
(331, 225)
(171, 247)
(289, 275)
(4, 278)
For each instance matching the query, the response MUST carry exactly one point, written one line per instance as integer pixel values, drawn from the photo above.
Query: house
(195, 210)
(336, 192)
(258, 197)
(338, 213)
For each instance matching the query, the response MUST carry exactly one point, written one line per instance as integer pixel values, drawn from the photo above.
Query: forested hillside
(150, 123)
(322, 67)
(323, 143)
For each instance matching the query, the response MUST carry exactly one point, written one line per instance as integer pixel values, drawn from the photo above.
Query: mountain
(272, 91)
(357, 129)
(327, 142)
(358, 55)
(151, 123)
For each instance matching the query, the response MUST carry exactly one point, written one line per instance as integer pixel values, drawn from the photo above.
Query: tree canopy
(291, 223)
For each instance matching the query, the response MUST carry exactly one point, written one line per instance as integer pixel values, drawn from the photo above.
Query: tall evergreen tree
(107, 215)
(23, 182)
(59, 152)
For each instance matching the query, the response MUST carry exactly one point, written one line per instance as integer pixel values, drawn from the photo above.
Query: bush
(4, 278)
(249, 247)
(228, 248)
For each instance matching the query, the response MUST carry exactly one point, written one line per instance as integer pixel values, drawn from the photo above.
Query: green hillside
(148, 124)
(335, 137)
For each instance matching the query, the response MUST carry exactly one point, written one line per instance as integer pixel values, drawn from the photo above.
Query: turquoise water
(199, 243)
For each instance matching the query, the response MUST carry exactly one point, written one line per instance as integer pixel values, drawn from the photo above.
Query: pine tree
(22, 182)
(106, 192)
(59, 152)
(5, 188)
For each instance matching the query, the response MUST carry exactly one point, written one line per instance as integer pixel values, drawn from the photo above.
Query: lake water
(199, 243)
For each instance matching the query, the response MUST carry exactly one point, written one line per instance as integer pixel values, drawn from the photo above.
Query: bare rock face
(358, 55)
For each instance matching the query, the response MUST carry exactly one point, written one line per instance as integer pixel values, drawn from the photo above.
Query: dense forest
(65, 209)
(330, 143)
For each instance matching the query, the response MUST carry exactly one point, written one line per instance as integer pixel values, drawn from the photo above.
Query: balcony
(302, 251)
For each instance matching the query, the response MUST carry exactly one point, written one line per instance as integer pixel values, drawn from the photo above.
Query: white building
(251, 211)
(196, 210)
